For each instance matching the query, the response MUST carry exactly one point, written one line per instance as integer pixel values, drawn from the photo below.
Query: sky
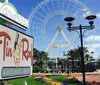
(25, 8)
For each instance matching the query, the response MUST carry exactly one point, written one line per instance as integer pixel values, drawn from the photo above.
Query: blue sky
(25, 8)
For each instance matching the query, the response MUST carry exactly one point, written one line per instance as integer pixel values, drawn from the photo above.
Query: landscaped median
(47, 79)
(58, 80)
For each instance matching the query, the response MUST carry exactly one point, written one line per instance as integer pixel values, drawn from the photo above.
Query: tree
(40, 58)
(62, 64)
(72, 54)
(36, 55)
(75, 57)
(98, 63)
(43, 60)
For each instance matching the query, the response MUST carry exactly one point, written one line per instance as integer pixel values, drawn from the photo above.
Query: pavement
(91, 78)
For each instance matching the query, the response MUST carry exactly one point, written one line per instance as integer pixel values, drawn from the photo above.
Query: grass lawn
(30, 81)
(64, 79)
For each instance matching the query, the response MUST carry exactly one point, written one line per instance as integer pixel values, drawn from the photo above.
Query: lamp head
(91, 18)
(69, 21)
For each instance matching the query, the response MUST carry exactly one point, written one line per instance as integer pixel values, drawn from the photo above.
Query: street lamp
(80, 32)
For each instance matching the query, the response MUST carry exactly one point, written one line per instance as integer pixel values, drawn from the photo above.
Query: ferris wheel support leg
(52, 41)
(70, 46)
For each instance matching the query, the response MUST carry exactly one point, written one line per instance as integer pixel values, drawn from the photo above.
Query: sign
(13, 71)
(9, 13)
(16, 52)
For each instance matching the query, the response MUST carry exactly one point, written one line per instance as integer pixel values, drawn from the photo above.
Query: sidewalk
(91, 78)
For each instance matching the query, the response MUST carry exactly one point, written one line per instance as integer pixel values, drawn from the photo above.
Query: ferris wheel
(48, 15)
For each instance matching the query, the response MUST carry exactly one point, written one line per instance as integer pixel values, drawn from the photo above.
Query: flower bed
(60, 80)
(48, 80)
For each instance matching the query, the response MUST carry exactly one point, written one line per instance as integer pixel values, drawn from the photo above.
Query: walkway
(91, 78)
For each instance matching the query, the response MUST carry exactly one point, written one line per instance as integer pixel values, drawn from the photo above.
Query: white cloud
(87, 12)
(98, 15)
(92, 38)
(95, 47)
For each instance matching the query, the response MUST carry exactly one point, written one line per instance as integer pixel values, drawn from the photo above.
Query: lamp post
(81, 31)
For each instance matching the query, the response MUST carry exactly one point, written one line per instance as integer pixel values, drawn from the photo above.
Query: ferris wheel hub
(59, 28)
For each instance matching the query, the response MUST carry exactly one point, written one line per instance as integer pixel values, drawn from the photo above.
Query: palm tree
(72, 56)
(75, 55)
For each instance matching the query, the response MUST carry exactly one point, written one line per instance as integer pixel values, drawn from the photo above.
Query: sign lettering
(15, 52)
(8, 10)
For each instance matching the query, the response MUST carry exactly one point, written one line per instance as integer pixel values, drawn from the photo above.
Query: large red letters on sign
(7, 51)
(25, 52)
